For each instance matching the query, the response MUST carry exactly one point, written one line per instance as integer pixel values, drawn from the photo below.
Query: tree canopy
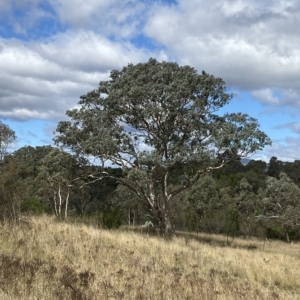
(282, 203)
(7, 136)
(153, 117)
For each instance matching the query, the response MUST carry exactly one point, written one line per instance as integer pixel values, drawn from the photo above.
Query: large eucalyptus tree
(155, 117)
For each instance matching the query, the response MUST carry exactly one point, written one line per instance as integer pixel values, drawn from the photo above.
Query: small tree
(12, 191)
(18, 174)
(282, 203)
(229, 209)
(60, 171)
(128, 203)
(153, 118)
(204, 196)
(7, 137)
(247, 204)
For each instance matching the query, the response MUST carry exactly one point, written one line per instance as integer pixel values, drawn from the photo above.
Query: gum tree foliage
(282, 203)
(204, 197)
(7, 136)
(292, 169)
(12, 191)
(62, 172)
(129, 204)
(257, 166)
(274, 167)
(153, 117)
(247, 204)
(18, 184)
(229, 216)
(28, 160)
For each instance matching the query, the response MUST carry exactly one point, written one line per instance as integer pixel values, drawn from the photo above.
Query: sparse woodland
(237, 200)
(148, 153)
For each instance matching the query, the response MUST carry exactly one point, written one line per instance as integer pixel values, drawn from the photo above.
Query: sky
(54, 51)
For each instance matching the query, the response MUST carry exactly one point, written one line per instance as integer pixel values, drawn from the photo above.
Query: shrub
(33, 206)
(112, 218)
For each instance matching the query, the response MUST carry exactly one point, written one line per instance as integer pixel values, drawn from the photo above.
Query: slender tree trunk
(60, 202)
(247, 224)
(13, 213)
(133, 219)
(287, 236)
(55, 203)
(83, 205)
(66, 206)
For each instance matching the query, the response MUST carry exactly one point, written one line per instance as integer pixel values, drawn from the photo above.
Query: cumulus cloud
(89, 52)
(266, 96)
(23, 15)
(294, 126)
(252, 44)
(42, 79)
(110, 17)
(285, 150)
(279, 100)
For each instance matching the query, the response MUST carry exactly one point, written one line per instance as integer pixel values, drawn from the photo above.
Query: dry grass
(44, 259)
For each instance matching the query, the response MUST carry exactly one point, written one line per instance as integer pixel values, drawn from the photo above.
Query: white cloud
(266, 96)
(253, 45)
(24, 114)
(285, 150)
(89, 52)
(109, 17)
(294, 126)
(233, 7)
(42, 79)
(22, 15)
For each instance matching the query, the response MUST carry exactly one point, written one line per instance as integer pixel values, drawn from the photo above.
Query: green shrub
(112, 218)
(33, 206)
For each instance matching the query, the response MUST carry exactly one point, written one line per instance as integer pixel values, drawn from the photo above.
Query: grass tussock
(46, 259)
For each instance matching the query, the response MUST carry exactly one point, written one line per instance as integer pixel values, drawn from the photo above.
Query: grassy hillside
(45, 259)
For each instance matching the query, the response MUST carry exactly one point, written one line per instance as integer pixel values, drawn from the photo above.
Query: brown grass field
(46, 259)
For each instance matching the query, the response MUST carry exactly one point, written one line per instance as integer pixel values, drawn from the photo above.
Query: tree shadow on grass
(211, 240)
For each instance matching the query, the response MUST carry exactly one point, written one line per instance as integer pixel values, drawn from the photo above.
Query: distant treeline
(256, 199)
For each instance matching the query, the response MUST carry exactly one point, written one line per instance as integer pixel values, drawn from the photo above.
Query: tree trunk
(66, 206)
(55, 204)
(248, 226)
(168, 227)
(287, 236)
(13, 218)
(133, 219)
(164, 224)
(159, 213)
(59, 203)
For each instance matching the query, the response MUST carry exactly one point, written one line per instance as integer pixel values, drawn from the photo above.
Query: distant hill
(245, 161)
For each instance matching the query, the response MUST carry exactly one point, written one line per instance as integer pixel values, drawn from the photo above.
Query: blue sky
(53, 51)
